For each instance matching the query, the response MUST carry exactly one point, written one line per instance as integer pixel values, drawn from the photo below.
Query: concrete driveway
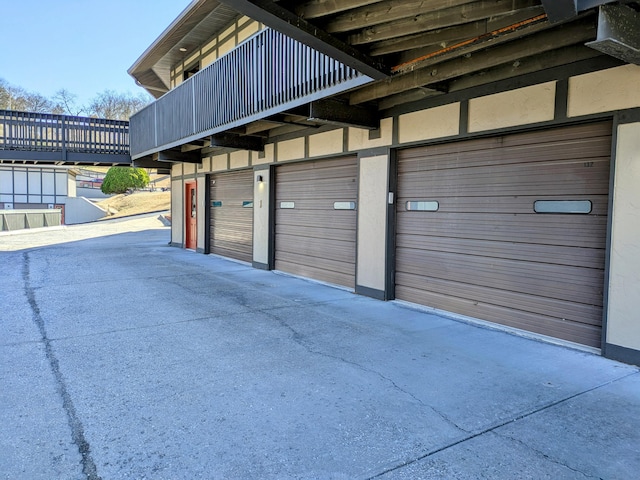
(123, 358)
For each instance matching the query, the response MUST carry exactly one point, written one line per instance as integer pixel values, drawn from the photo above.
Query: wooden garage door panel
(591, 314)
(313, 239)
(231, 219)
(540, 179)
(553, 254)
(572, 331)
(579, 142)
(582, 285)
(485, 252)
(574, 232)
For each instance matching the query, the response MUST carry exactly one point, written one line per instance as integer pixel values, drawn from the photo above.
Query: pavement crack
(299, 339)
(544, 455)
(494, 427)
(77, 430)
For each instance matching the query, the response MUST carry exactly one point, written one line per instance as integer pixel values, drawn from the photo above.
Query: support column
(375, 226)
(262, 218)
(622, 340)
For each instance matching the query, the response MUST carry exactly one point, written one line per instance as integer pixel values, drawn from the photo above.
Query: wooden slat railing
(44, 132)
(265, 75)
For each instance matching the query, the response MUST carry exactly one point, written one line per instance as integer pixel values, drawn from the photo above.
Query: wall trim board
(392, 189)
(176, 244)
(621, 354)
(370, 292)
(260, 266)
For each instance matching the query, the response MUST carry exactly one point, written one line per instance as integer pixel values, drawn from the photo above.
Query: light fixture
(259, 178)
(182, 49)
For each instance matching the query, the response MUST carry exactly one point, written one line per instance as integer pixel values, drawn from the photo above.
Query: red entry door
(191, 215)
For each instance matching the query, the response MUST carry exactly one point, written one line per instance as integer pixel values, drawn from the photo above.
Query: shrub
(121, 179)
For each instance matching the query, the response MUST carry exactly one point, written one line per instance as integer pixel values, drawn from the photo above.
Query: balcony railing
(267, 74)
(43, 132)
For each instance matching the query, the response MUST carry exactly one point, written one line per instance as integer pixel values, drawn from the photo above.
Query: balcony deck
(62, 139)
(267, 74)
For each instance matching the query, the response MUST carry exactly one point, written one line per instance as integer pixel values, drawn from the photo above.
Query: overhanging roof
(197, 23)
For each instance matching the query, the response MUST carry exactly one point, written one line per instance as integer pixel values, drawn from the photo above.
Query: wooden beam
(467, 47)
(451, 34)
(541, 42)
(322, 8)
(535, 63)
(261, 126)
(177, 156)
(337, 113)
(444, 18)
(409, 96)
(244, 142)
(387, 11)
(559, 10)
(288, 23)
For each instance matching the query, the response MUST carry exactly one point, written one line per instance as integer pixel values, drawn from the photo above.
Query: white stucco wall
(373, 178)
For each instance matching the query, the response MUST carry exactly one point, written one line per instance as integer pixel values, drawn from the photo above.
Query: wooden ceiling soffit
(387, 11)
(290, 24)
(445, 36)
(321, 8)
(243, 142)
(431, 20)
(337, 113)
(439, 71)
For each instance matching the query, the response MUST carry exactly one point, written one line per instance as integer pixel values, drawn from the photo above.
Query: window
(563, 206)
(344, 205)
(422, 206)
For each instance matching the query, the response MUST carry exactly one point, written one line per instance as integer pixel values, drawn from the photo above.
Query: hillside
(136, 203)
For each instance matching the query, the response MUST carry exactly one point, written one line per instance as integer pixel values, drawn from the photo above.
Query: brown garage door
(316, 220)
(509, 229)
(232, 215)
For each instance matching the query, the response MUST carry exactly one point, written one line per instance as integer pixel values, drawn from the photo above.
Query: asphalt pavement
(124, 358)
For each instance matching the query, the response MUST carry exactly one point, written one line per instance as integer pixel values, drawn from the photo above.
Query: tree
(66, 103)
(121, 179)
(117, 106)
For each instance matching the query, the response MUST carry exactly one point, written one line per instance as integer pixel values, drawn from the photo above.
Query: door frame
(190, 207)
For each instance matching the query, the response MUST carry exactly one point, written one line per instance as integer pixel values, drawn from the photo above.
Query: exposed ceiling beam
(535, 63)
(290, 24)
(409, 96)
(387, 11)
(444, 18)
(337, 113)
(472, 45)
(321, 8)
(244, 142)
(559, 10)
(443, 36)
(571, 34)
(177, 156)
